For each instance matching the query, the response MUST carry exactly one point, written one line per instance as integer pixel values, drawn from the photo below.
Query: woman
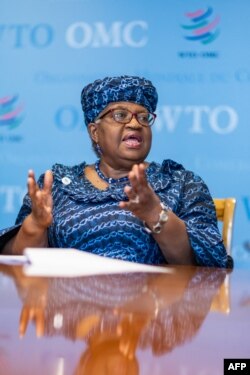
(122, 206)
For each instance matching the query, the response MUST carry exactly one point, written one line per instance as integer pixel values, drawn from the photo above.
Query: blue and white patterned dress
(90, 219)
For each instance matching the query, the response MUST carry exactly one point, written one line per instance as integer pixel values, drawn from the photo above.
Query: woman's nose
(134, 122)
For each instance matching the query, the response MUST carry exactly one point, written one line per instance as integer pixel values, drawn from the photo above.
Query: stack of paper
(71, 262)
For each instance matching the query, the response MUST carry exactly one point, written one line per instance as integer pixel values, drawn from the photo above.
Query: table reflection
(117, 314)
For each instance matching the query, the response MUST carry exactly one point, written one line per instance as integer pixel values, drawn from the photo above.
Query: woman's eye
(120, 115)
(143, 117)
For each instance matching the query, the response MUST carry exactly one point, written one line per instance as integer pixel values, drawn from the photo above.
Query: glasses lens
(124, 116)
(151, 119)
(121, 115)
(146, 119)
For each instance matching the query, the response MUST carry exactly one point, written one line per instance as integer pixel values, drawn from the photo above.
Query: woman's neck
(108, 179)
(114, 172)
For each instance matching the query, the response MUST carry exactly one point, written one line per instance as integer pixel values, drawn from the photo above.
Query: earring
(98, 149)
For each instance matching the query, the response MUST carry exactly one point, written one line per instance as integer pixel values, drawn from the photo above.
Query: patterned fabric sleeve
(198, 211)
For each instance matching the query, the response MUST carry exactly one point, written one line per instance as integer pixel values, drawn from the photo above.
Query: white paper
(71, 262)
(13, 260)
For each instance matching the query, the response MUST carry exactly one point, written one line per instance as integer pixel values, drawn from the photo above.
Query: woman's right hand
(33, 231)
(41, 199)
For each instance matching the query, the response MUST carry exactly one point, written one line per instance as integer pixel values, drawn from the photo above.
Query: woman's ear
(93, 131)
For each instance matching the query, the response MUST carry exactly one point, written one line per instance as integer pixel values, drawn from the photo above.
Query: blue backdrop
(195, 52)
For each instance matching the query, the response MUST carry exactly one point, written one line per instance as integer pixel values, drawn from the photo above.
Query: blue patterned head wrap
(97, 95)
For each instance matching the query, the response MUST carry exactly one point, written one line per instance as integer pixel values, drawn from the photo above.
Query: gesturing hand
(41, 199)
(143, 201)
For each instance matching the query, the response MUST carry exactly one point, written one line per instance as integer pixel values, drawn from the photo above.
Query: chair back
(225, 208)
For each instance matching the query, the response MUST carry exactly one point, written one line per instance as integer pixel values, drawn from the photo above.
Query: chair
(225, 214)
(225, 208)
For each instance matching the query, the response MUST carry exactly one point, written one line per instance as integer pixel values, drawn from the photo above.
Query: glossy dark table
(182, 323)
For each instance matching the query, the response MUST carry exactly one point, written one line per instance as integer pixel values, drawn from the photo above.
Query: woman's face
(122, 145)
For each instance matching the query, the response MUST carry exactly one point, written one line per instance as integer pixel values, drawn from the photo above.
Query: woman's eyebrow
(120, 106)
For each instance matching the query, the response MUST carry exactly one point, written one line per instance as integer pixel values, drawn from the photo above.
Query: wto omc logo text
(77, 35)
(11, 112)
(201, 26)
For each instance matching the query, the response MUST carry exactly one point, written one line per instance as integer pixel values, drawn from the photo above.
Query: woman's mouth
(132, 140)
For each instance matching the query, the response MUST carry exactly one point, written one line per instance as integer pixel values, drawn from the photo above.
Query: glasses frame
(134, 114)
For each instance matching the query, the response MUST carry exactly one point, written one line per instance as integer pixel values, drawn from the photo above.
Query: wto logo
(11, 113)
(201, 26)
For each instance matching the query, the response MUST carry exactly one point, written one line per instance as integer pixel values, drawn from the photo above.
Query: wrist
(162, 220)
(31, 227)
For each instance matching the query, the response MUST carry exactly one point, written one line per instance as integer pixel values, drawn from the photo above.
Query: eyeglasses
(124, 116)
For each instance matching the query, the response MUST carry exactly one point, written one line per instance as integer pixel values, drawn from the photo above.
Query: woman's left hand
(143, 202)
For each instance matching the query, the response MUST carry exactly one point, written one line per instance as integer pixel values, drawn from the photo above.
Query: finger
(135, 170)
(31, 182)
(39, 199)
(133, 180)
(138, 179)
(141, 170)
(23, 321)
(40, 203)
(138, 169)
(39, 320)
(142, 178)
(32, 188)
(128, 190)
(48, 181)
(123, 205)
(31, 173)
(132, 195)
